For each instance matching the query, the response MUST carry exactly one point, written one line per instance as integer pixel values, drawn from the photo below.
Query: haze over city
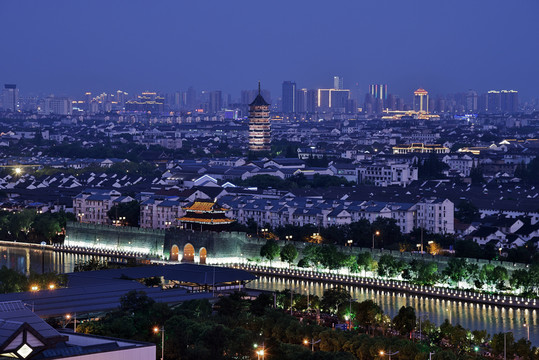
(69, 47)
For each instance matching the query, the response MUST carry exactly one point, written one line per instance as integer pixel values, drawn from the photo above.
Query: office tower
(57, 106)
(378, 91)
(10, 97)
(509, 101)
(191, 98)
(421, 101)
(339, 99)
(301, 101)
(482, 103)
(259, 124)
(471, 102)
(121, 98)
(216, 101)
(338, 82)
(391, 102)
(332, 99)
(322, 99)
(494, 102)
(289, 97)
(311, 101)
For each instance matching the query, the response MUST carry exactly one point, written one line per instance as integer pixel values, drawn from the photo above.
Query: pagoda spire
(258, 87)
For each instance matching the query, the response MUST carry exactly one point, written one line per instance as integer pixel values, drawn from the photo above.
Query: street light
(68, 318)
(528, 329)
(376, 233)
(288, 237)
(312, 342)
(390, 354)
(505, 343)
(259, 352)
(161, 330)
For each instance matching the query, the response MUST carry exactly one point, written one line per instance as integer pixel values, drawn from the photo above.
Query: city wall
(210, 247)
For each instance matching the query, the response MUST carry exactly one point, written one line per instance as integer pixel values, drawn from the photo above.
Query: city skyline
(464, 46)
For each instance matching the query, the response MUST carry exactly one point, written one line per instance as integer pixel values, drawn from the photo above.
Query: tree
(405, 321)
(333, 298)
(126, 213)
(389, 266)
(12, 281)
(364, 261)
(289, 253)
(46, 226)
(135, 301)
(388, 229)
(270, 250)
(467, 211)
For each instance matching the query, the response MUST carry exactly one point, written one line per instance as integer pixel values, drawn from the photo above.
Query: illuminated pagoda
(205, 215)
(259, 124)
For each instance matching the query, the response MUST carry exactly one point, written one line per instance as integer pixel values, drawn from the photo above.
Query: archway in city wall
(174, 252)
(188, 253)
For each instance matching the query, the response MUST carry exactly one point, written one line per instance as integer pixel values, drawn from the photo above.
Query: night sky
(68, 47)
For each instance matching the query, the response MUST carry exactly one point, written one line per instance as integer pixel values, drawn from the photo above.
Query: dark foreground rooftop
(95, 292)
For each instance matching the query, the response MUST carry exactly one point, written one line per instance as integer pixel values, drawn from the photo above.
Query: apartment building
(385, 174)
(91, 205)
(161, 212)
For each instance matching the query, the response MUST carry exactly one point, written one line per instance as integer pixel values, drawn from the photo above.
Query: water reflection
(472, 316)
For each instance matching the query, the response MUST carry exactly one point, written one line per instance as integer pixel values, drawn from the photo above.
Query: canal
(472, 316)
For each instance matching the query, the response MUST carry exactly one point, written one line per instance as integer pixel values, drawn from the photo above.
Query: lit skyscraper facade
(421, 100)
(259, 124)
(338, 82)
(378, 91)
(509, 101)
(289, 97)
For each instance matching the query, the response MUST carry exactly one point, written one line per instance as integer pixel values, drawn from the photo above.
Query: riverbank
(395, 286)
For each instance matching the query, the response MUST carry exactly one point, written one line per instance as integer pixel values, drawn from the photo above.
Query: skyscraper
(259, 124)
(10, 97)
(338, 82)
(378, 91)
(494, 102)
(216, 101)
(509, 101)
(289, 97)
(421, 100)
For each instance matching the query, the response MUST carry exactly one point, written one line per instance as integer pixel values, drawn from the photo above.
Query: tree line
(236, 326)
(31, 226)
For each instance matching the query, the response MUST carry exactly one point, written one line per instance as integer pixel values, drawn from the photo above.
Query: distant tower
(338, 82)
(421, 101)
(289, 97)
(259, 124)
(10, 97)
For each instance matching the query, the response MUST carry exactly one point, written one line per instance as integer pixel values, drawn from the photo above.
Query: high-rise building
(259, 124)
(339, 100)
(332, 99)
(338, 82)
(216, 101)
(471, 101)
(378, 91)
(289, 97)
(57, 106)
(421, 100)
(494, 102)
(191, 98)
(10, 97)
(509, 101)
